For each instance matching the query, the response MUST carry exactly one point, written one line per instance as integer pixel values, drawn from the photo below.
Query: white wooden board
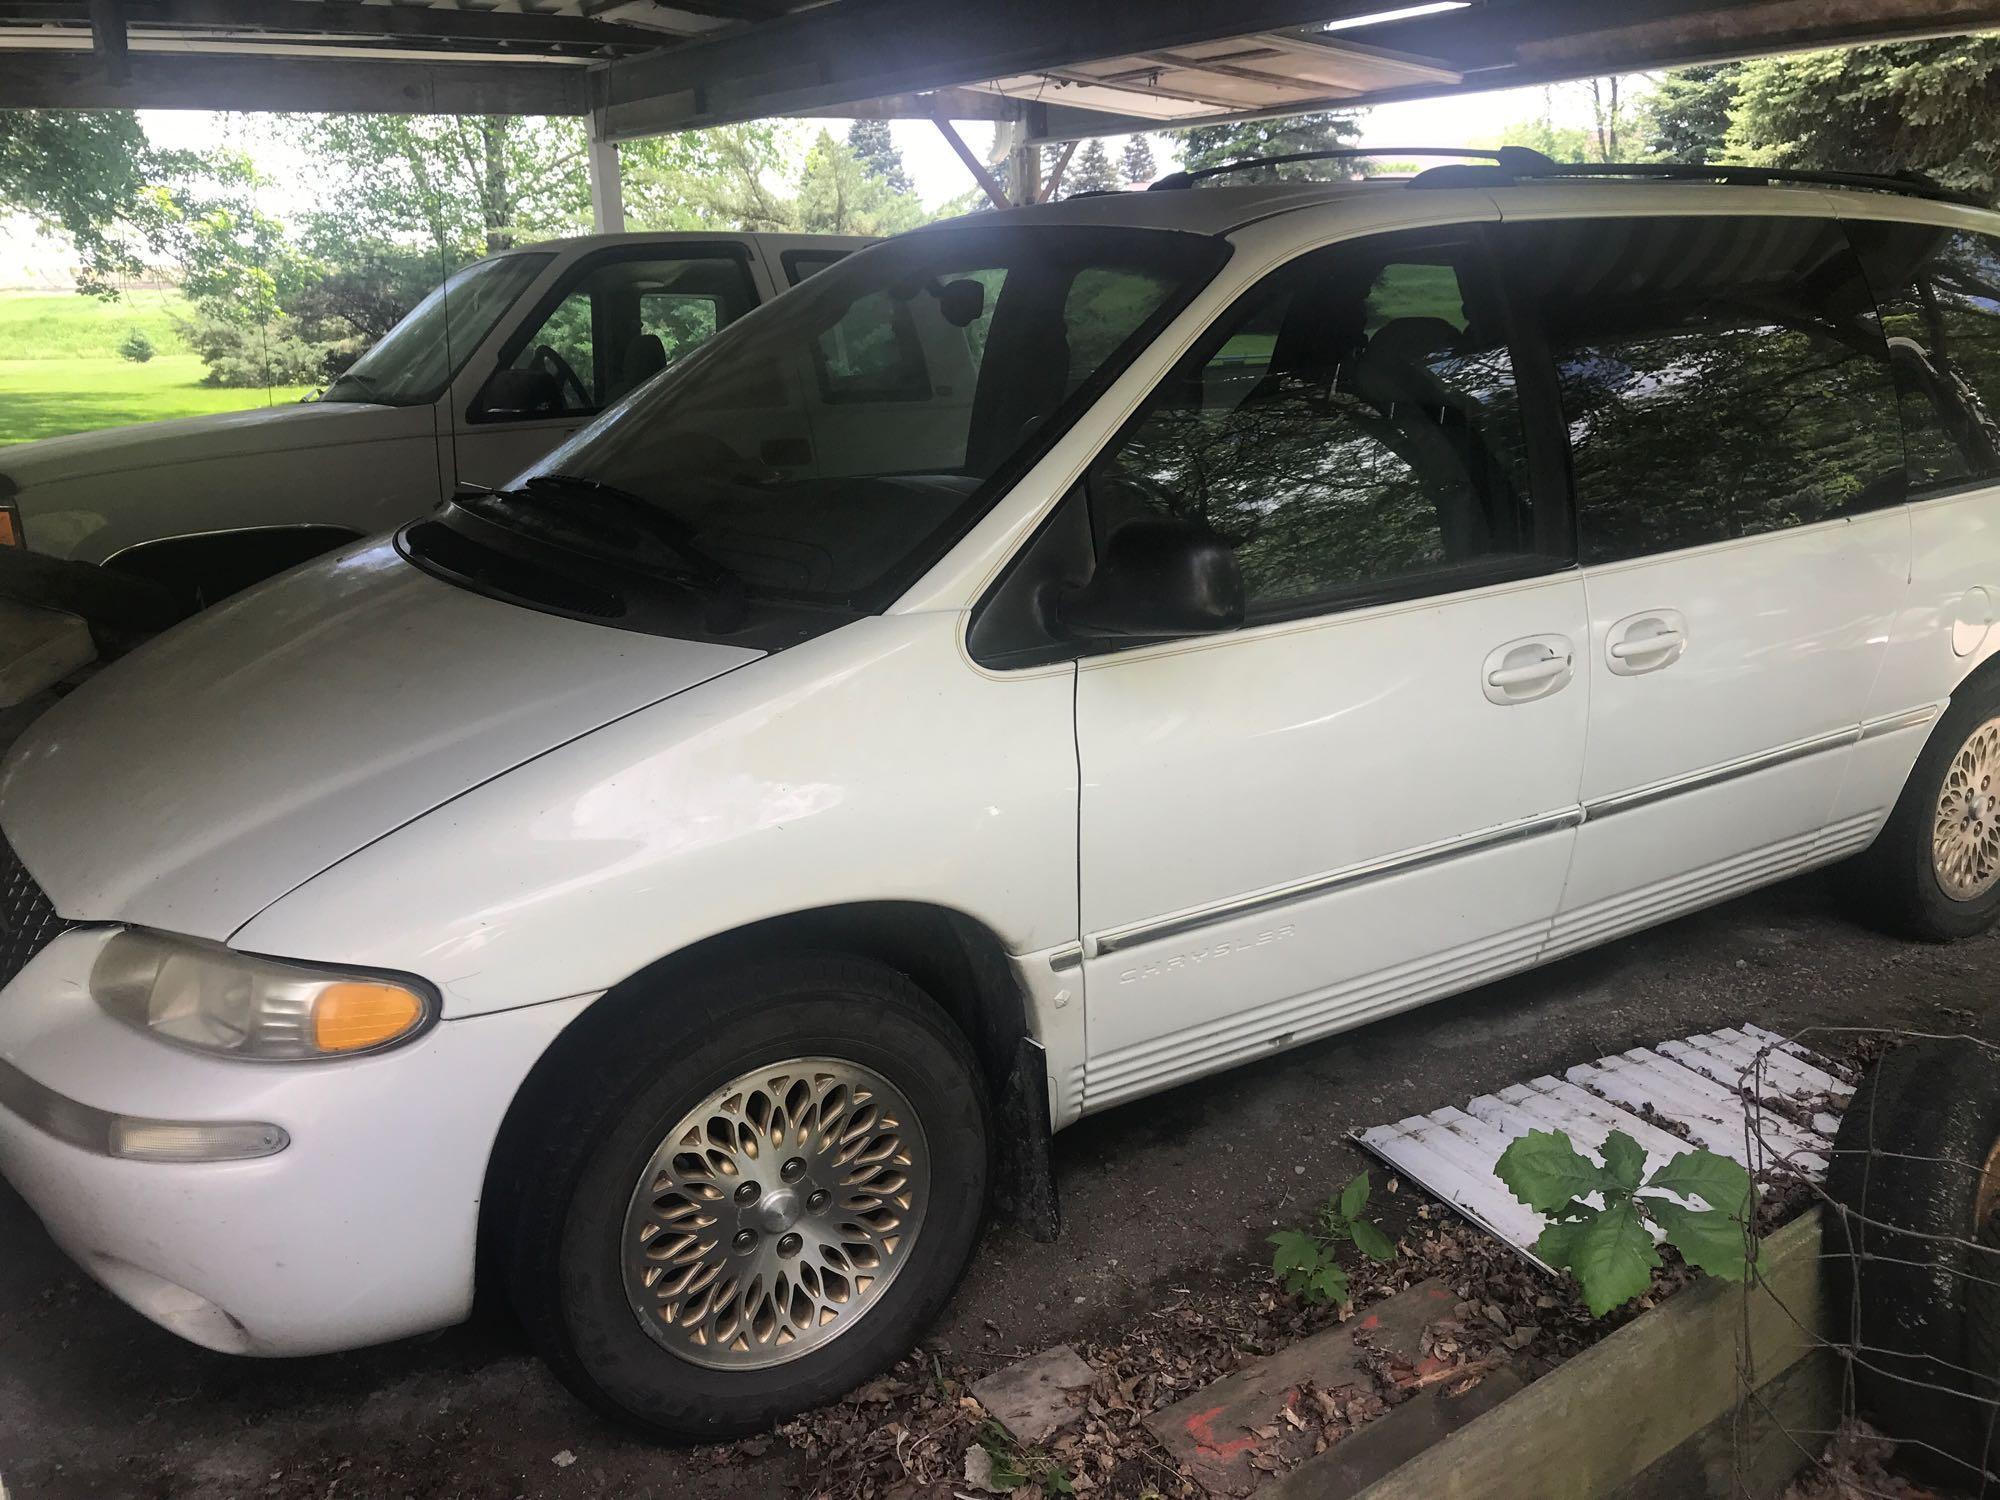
(1701, 1084)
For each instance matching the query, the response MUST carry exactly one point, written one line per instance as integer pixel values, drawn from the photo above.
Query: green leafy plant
(1307, 1261)
(136, 346)
(1609, 1249)
(1009, 1466)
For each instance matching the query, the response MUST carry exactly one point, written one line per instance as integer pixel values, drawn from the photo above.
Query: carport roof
(1064, 68)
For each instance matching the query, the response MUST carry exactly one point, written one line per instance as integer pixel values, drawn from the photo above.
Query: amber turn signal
(352, 1015)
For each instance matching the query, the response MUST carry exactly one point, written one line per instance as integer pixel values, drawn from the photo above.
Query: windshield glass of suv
(829, 446)
(416, 359)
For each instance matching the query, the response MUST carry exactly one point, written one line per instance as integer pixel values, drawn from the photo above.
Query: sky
(27, 259)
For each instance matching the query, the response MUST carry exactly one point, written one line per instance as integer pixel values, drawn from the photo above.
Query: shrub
(136, 347)
(255, 354)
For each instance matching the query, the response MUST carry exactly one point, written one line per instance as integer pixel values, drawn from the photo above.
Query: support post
(107, 39)
(607, 187)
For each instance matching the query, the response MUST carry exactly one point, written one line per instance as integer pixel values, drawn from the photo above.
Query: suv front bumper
(361, 1227)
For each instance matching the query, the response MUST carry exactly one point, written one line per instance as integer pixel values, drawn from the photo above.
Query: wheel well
(954, 959)
(1987, 669)
(214, 565)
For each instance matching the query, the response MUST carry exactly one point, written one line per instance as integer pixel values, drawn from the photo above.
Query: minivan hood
(149, 445)
(232, 759)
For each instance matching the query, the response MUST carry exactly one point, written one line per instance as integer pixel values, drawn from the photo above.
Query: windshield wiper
(700, 569)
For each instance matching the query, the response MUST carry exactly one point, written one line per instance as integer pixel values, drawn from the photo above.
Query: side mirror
(1158, 579)
(519, 393)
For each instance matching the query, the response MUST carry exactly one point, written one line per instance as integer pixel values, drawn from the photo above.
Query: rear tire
(1933, 873)
(751, 1196)
(1916, 1170)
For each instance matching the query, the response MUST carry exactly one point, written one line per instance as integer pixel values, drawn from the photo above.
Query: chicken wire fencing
(1896, 1393)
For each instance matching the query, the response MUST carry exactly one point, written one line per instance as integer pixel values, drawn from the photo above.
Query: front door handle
(1646, 642)
(1522, 671)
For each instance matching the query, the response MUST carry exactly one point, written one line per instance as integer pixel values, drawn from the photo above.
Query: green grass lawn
(60, 370)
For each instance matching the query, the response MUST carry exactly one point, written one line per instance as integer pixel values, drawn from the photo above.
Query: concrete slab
(1038, 1397)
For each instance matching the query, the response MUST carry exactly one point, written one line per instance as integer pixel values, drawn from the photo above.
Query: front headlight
(207, 996)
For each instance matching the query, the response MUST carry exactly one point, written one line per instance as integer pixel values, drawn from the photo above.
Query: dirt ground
(1160, 1198)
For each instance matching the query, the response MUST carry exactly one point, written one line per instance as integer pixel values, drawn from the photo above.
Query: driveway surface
(96, 1403)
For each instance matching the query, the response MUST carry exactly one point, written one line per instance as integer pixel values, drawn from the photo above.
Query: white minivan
(503, 361)
(1157, 629)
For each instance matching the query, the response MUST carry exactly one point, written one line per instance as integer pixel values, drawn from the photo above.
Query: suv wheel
(1934, 871)
(748, 1209)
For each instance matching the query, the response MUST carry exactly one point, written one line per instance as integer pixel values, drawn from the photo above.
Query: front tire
(1933, 873)
(753, 1196)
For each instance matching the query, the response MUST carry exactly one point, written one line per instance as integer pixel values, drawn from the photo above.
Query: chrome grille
(28, 920)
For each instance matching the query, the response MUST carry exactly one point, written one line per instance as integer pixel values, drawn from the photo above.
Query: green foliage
(80, 172)
(464, 184)
(1686, 117)
(247, 355)
(1090, 171)
(1138, 163)
(839, 194)
(1014, 1466)
(1931, 107)
(1307, 1261)
(731, 177)
(136, 347)
(1543, 135)
(1213, 145)
(872, 144)
(1610, 1249)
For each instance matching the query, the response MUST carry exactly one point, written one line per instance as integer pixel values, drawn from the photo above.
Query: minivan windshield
(415, 360)
(828, 446)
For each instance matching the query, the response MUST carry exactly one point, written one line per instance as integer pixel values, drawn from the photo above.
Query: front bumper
(360, 1230)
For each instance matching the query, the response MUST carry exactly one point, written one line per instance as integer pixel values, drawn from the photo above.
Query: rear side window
(1940, 295)
(1719, 377)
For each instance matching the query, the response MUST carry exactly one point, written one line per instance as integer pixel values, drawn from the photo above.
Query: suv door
(1738, 474)
(617, 319)
(1364, 798)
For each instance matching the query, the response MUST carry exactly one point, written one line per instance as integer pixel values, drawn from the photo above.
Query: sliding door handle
(1522, 671)
(1646, 642)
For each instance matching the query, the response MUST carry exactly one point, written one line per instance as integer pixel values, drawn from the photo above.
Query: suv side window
(1719, 377)
(622, 320)
(1939, 291)
(872, 354)
(1351, 427)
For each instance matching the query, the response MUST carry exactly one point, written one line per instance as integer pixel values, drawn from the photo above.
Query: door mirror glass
(1159, 579)
(520, 393)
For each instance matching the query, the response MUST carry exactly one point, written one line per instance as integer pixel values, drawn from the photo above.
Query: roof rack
(1472, 166)
(1516, 159)
(1906, 184)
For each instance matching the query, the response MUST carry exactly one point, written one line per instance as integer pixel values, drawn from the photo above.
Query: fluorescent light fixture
(1403, 13)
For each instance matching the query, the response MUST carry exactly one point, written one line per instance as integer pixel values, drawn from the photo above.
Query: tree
(1213, 145)
(469, 184)
(726, 178)
(1931, 107)
(871, 142)
(1686, 117)
(1092, 172)
(839, 194)
(1558, 143)
(1607, 138)
(85, 174)
(1140, 168)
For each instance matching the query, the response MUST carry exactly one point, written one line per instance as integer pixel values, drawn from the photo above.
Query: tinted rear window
(1719, 377)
